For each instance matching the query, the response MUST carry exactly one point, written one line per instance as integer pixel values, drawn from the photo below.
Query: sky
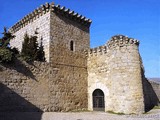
(139, 19)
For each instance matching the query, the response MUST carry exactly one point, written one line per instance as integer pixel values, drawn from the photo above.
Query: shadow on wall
(150, 97)
(15, 107)
(20, 67)
(1, 69)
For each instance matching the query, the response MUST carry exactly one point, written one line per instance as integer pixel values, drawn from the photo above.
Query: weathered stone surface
(42, 91)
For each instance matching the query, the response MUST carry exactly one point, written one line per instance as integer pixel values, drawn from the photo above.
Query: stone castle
(75, 77)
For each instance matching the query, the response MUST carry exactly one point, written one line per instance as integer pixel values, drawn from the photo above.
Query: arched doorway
(98, 100)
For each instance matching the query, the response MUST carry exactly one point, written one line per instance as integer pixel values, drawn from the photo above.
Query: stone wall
(30, 82)
(63, 31)
(115, 69)
(71, 63)
(32, 87)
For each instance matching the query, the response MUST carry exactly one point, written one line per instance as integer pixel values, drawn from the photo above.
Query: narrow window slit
(72, 46)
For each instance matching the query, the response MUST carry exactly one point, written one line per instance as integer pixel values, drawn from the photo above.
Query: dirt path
(152, 115)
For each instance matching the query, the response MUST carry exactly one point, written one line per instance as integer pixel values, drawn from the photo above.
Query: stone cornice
(43, 9)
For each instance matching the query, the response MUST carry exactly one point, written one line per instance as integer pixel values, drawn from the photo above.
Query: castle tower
(57, 27)
(69, 35)
(114, 77)
(65, 37)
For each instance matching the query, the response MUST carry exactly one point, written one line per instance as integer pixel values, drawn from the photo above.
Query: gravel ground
(152, 115)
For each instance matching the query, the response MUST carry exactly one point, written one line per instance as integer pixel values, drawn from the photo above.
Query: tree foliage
(40, 53)
(30, 49)
(6, 53)
(7, 36)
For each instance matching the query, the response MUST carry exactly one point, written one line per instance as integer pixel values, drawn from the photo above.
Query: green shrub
(5, 55)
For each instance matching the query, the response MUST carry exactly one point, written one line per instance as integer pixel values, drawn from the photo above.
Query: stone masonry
(25, 87)
(115, 68)
(72, 71)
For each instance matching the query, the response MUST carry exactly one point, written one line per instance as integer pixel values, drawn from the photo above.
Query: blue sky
(139, 19)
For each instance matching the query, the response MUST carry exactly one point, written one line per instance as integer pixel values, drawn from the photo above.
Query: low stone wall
(25, 87)
(156, 88)
(39, 87)
(150, 96)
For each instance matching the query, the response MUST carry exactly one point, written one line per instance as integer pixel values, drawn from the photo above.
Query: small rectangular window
(72, 46)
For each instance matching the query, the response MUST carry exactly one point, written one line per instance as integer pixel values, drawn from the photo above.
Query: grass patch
(156, 107)
(115, 113)
(81, 110)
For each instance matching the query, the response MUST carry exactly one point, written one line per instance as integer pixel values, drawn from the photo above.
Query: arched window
(72, 46)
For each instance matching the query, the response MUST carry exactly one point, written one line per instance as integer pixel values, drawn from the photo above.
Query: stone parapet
(71, 15)
(98, 50)
(43, 9)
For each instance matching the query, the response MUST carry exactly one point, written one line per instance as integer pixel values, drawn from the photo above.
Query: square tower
(58, 28)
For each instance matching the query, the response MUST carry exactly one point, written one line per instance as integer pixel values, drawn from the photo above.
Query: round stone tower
(115, 69)
(125, 75)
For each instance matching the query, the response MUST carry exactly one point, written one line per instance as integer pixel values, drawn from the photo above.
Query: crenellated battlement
(71, 15)
(115, 41)
(98, 50)
(43, 9)
(120, 41)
